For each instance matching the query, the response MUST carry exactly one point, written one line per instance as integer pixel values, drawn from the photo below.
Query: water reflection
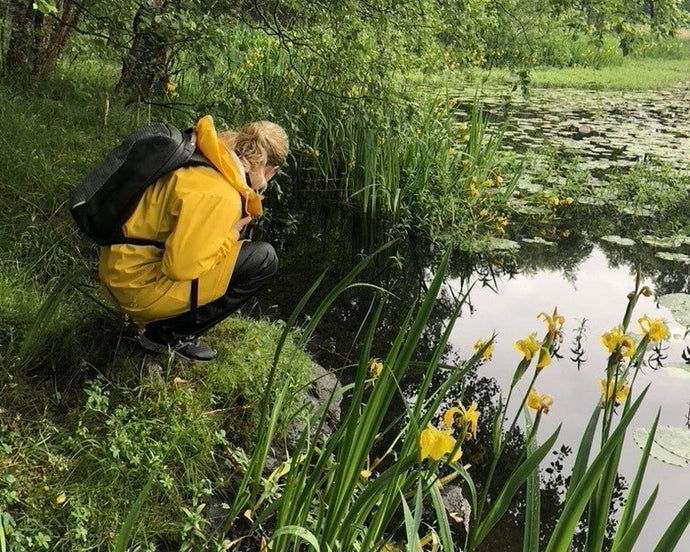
(592, 291)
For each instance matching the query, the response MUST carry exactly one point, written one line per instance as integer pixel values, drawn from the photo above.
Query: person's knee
(269, 264)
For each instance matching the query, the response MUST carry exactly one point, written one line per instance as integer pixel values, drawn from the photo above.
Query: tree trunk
(37, 41)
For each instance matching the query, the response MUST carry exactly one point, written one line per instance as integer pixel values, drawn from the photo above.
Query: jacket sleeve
(203, 234)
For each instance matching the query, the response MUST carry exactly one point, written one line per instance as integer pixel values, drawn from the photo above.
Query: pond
(594, 291)
(605, 129)
(587, 278)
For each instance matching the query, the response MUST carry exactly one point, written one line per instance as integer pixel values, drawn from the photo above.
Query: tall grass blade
(125, 533)
(635, 528)
(445, 532)
(515, 481)
(576, 502)
(298, 532)
(35, 336)
(600, 504)
(3, 543)
(583, 451)
(634, 491)
(412, 521)
(675, 530)
(530, 542)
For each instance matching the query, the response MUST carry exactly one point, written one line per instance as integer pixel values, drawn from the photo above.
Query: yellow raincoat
(193, 211)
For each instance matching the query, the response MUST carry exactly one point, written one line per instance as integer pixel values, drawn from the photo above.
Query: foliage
(79, 441)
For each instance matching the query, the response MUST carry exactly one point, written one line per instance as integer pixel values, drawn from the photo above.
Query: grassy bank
(88, 419)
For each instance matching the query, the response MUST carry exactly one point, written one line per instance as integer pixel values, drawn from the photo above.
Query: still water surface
(596, 292)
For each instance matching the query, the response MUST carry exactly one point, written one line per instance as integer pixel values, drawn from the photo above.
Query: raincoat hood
(212, 148)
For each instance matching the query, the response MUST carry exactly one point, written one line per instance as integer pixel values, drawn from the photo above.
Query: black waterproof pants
(256, 263)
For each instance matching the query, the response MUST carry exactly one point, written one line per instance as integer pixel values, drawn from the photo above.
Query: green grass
(632, 74)
(91, 417)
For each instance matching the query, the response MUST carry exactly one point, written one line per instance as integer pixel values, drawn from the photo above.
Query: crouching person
(185, 267)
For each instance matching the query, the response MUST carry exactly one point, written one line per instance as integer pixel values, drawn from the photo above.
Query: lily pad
(675, 257)
(679, 305)
(673, 242)
(671, 444)
(501, 244)
(681, 371)
(618, 240)
(585, 200)
(642, 211)
(527, 209)
(539, 241)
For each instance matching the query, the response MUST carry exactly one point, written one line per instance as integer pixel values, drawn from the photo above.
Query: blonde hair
(258, 145)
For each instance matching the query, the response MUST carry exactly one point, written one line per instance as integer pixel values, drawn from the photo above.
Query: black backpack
(109, 194)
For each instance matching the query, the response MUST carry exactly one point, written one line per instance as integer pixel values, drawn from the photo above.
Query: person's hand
(240, 224)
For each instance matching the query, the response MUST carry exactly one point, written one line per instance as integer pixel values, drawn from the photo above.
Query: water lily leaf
(671, 444)
(591, 201)
(677, 370)
(502, 244)
(679, 305)
(672, 242)
(618, 240)
(538, 240)
(676, 257)
(530, 187)
(527, 209)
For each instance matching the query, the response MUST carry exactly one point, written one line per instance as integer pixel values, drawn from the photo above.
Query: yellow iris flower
(374, 368)
(527, 347)
(655, 329)
(459, 417)
(487, 353)
(540, 403)
(554, 323)
(544, 359)
(607, 391)
(616, 341)
(435, 444)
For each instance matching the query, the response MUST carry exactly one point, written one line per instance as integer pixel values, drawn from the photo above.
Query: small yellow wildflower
(486, 355)
(554, 323)
(460, 417)
(435, 444)
(364, 475)
(568, 201)
(540, 403)
(606, 389)
(374, 368)
(527, 347)
(498, 180)
(616, 341)
(655, 329)
(60, 500)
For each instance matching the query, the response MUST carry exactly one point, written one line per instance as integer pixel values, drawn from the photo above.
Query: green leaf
(583, 451)
(502, 244)
(679, 305)
(515, 481)
(675, 530)
(618, 240)
(634, 491)
(445, 532)
(628, 541)
(530, 541)
(675, 257)
(126, 530)
(298, 532)
(577, 499)
(671, 444)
